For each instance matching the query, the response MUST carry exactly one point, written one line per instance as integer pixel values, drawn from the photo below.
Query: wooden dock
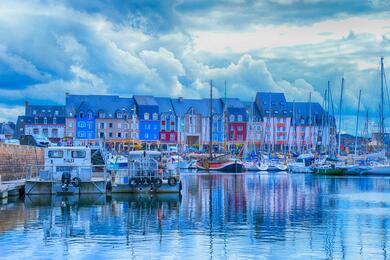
(11, 188)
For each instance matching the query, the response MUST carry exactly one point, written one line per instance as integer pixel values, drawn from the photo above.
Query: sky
(174, 48)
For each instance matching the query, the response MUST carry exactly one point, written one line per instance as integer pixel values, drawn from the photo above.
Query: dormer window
(102, 115)
(35, 120)
(34, 112)
(45, 120)
(239, 118)
(276, 112)
(54, 120)
(89, 115)
(163, 117)
(119, 115)
(146, 116)
(231, 118)
(56, 112)
(81, 115)
(155, 116)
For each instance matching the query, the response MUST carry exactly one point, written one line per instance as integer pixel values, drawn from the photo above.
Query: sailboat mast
(225, 124)
(357, 122)
(310, 139)
(211, 120)
(382, 115)
(340, 110)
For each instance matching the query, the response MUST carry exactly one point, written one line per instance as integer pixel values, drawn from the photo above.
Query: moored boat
(222, 164)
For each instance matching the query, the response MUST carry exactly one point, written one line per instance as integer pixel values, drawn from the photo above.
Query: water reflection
(218, 216)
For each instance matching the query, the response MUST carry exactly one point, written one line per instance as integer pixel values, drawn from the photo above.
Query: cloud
(174, 48)
(10, 113)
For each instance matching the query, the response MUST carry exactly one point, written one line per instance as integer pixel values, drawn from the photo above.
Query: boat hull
(231, 167)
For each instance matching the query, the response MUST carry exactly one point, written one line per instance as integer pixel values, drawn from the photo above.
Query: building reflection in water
(218, 216)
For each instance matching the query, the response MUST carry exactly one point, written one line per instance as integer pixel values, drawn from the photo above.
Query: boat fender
(145, 181)
(76, 182)
(133, 182)
(157, 182)
(172, 181)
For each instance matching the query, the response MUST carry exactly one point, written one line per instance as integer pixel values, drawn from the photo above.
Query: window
(45, 120)
(90, 125)
(55, 154)
(119, 126)
(101, 126)
(231, 118)
(119, 135)
(163, 136)
(239, 128)
(45, 132)
(101, 134)
(110, 125)
(34, 112)
(146, 116)
(36, 120)
(172, 118)
(239, 137)
(54, 132)
(79, 154)
(119, 115)
(155, 116)
(126, 126)
(110, 134)
(231, 128)
(56, 112)
(102, 115)
(81, 124)
(54, 120)
(172, 137)
(239, 118)
(89, 115)
(81, 115)
(162, 117)
(81, 134)
(146, 135)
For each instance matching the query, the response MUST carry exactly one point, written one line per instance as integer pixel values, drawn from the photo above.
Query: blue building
(149, 120)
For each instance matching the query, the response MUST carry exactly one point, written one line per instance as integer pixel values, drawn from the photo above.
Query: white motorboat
(302, 164)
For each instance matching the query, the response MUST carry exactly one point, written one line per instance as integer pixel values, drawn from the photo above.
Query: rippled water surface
(243, 216)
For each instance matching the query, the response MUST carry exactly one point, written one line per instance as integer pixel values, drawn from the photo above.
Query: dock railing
(54, 173)
(141, 168)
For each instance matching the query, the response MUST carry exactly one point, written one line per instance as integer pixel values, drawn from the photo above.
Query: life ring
(157, 182)
(133, 182)
(145, 181)
(172, 181)
(76, 182)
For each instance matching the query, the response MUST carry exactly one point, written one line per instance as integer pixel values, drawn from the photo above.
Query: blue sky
(173, 48)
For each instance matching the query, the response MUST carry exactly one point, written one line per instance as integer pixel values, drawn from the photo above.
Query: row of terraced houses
(270, 120)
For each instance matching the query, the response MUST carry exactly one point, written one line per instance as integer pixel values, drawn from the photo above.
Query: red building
(237, 132)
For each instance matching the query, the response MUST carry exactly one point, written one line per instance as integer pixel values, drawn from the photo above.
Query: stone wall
(14, 160)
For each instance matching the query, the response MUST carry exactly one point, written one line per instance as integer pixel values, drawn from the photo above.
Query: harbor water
(218, 216)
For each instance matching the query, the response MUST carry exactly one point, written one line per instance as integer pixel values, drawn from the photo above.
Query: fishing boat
(66, 170)
(115, 162)
(144, 175)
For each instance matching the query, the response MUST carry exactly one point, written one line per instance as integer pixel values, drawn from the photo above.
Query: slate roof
(44, 110)
(182, 106)
(108, 104)
(145, 100)
(164, 105)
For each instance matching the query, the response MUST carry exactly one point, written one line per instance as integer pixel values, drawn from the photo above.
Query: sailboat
(222, 163)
